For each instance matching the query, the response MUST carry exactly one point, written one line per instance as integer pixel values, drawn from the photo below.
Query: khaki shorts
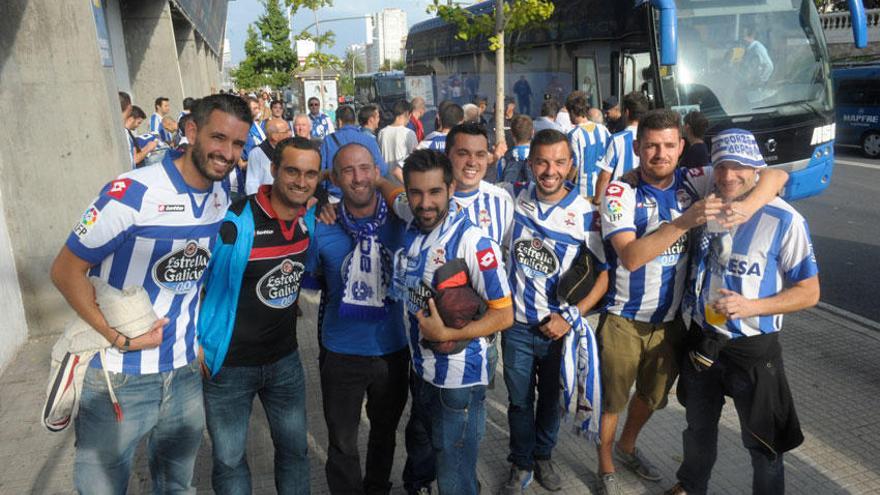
(636, 352)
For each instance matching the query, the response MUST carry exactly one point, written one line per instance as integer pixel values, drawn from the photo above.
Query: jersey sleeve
(700, 178)
(103, 226)
(618, 209)
(609, 157)
(401, 208)
(486, 269)
(411, 142)
(577, 147)
(797, 259)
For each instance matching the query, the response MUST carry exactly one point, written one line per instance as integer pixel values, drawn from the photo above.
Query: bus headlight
(823, 134)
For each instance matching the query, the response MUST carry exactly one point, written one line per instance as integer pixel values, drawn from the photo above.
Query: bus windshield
(748, 59)
(391, 86)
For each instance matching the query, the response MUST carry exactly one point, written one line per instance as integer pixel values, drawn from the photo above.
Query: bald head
(418, 107)
(277, 130)
(595, 115)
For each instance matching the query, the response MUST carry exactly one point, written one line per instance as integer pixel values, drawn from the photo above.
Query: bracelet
(127, 343)
(113, 343)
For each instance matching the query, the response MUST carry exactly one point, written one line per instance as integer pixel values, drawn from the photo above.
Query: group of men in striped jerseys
(659, 267)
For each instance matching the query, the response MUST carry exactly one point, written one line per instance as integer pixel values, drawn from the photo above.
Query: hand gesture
(327, 215)
(555, 328)
(701, 212)
(734, 306)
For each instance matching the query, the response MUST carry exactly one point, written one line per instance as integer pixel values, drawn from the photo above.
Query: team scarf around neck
(581, 399)
(366, 276)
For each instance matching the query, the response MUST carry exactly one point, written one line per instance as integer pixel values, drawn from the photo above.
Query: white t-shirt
(396, 143)
(258, 171)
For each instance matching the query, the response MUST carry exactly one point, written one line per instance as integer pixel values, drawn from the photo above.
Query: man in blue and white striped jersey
(450, 116)
(620, 156)
(588, 141)
(646, 227)
(153, 227)
(742, 281)
(161, 107)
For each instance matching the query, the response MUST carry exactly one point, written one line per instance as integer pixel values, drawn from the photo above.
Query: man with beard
(247, 327)
(447, 418)
(646, 227)
(553, 223)
(363, 344)
(153, 227)
(259, 171)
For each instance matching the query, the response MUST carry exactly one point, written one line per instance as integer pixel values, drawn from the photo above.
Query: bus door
(586, 79)
(636, 73)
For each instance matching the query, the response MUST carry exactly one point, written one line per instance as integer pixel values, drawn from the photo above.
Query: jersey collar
(175, 176)
(263, 199)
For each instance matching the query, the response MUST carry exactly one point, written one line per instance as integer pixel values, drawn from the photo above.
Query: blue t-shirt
(331, 248)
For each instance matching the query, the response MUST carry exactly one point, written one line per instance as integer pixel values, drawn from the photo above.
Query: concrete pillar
(152, 53)
(117, 45)
(62, 143)
(189, 60)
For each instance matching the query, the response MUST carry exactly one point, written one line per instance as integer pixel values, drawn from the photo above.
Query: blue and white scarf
(581, 381)
(366, 275)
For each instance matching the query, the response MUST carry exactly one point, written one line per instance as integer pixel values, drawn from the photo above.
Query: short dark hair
(313, 98)
(698, 123)
(296, 142)
(124, 101)
(548, 137)
(365, 113)
(230, 104)
(578, 106)
(570, 99)
(426, 160)
(549, 108)
(658, 120)
(276, 102)
(345, 114)
(188, 103)
(159, 101)
(451, 115)
(181, 124)
(138, 112)
(349, 145)
(521, 128)
(401, 107)
(635, 105)
(469, 128)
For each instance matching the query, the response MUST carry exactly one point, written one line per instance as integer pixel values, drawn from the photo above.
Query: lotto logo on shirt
(180, 271)
(118, 188)
(614, 190)
(279, 288)
(487, 259)
(88, 219)
(534, 258)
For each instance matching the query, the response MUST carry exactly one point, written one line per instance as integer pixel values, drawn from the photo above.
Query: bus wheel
(871, 144)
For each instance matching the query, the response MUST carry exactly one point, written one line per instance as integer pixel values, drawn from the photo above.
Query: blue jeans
(229, 398)
(704, 397)
(443, 437)
(166, 407)
(531, 362)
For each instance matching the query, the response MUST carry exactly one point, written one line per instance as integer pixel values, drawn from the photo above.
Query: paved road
(845, 225)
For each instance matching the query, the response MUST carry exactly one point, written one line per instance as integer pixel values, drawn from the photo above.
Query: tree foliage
(269, 58)
(519, 15)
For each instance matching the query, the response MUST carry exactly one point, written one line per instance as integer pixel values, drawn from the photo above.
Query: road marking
(849, 315)
(856, 164)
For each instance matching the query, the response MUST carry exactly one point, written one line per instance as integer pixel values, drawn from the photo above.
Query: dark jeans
(705, 391)
(345, 379)
(443, 437)
(531, 362)
(229, 398)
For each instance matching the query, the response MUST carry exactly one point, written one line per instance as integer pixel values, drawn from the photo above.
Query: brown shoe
(675, 490)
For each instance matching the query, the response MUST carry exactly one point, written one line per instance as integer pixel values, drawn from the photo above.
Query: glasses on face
(314, 105)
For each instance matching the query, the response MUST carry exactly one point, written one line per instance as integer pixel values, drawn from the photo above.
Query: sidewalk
(833, 366)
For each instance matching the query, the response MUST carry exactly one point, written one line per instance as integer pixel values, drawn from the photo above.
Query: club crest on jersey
(487, 259)
(279, 287)
(118, 188)
(484, 218)
(85, 223)
(180, 271)
(439, 256)
(683, 198)
(569, 219)
(534, 258)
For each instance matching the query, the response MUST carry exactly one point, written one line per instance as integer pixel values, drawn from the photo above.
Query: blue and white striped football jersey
(130, 140)
(157, 128)
(149, 228)
(414, 268)
(544, 241)
(620, 157)
(588, 142)
(255, 137)
(516, 163)
(488, 207)
(435, 141)
(322, 126)
(763, 255)
(653, 292)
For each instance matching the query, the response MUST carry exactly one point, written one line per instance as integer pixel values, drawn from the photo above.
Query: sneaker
(609, 485)
(676, 490)
(546, 475)
(518, 480)
(637, 463)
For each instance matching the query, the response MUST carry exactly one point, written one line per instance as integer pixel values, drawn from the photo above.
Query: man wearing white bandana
(364, 348)
(742, 281)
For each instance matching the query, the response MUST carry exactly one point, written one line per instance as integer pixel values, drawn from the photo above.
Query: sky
(244, 12)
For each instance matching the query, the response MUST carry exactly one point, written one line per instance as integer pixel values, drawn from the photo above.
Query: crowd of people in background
(433, 246)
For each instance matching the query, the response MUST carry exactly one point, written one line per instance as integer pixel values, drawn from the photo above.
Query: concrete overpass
(838, 34)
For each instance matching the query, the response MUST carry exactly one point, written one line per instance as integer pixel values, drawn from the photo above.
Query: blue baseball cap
(739, 146)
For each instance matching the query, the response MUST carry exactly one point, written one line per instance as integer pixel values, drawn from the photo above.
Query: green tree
(508, 19)
(269, 58)
(319, 59)
(352, 65)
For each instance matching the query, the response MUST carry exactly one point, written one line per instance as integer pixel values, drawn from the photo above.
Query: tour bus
(382, 89)
(683, 54)
(857, 98)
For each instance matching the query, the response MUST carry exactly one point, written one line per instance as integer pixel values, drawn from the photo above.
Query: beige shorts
(636, 352)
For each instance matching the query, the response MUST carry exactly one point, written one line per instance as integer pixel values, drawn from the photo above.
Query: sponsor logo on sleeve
(279, 287)
(487, 259)
(181, 270)
(614, 190)
(534, 258)
(86, 222)
(118, 188)
(695, 172)
(614, 208)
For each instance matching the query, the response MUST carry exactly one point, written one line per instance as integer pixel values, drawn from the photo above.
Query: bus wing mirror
(859, 23)
(669, 31)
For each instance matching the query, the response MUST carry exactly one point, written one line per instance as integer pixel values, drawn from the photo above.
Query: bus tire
(871, 144)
